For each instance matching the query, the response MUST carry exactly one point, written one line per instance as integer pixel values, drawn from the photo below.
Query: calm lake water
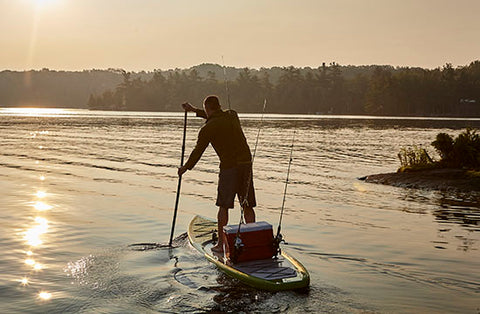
(79, 188)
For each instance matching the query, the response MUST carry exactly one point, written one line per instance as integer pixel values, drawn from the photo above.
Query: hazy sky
(160, 34)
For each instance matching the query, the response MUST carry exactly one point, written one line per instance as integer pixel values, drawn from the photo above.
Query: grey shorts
(235, 181)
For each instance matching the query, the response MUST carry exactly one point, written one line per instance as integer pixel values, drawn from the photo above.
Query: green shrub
(444, 145)
(414, 158)
(463, 152)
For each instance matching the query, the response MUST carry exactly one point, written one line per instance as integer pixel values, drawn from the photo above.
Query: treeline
(332, 89)
(328, 89)
(48, 88)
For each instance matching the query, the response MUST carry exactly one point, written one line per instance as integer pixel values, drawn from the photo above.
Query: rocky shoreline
(432, 179)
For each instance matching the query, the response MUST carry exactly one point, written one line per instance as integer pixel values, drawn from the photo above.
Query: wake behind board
(273, 274)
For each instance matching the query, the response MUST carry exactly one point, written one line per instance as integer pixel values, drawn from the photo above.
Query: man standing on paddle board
(222, 129)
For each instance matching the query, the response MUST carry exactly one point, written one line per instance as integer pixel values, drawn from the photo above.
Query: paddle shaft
(179, 180)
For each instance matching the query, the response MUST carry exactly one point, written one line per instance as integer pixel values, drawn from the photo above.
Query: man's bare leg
(249, 214)
(222, 220)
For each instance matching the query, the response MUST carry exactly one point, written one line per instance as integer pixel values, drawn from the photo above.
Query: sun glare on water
(41, 194)
(33, 235)
(45, 295)
(41, 206)
(34, 111)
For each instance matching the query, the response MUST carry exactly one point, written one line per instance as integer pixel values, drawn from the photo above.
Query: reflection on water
(41, 206)
(30, 261)
(80, 187)
(41, 194)
(45, 295)
(36, 112)
(463, 210)
(35, 236)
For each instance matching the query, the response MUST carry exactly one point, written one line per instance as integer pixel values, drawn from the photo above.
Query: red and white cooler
(256, 241)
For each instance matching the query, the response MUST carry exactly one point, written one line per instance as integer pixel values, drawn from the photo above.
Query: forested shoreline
(328, 89)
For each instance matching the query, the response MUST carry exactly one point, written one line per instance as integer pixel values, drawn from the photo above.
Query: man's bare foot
(218, 248)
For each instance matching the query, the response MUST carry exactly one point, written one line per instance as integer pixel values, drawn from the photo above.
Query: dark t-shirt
(222, 129)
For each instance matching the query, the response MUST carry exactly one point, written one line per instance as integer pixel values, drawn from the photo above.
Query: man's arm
(200, 112)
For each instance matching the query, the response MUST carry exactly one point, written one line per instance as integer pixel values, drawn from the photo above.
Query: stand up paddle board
(274, 274)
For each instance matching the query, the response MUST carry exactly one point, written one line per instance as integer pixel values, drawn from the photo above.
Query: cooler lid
(254, 226)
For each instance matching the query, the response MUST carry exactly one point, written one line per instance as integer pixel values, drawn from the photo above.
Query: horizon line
(233, 66)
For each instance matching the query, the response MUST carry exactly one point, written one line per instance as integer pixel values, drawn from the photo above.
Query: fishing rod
(279, 237)
(238, 242)
(255, 152)
(179, 179)
(226, 84)
(259, 128)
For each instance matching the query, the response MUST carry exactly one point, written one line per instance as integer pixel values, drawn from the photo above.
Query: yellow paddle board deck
(274, 274)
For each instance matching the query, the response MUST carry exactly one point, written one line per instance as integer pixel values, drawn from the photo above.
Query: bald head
(212, 103)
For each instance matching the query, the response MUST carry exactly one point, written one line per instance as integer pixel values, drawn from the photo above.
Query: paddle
(179, 180)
